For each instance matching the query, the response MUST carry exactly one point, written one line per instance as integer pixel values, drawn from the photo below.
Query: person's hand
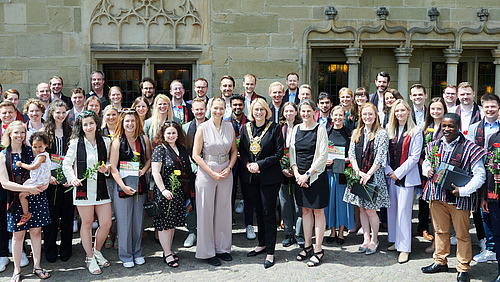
(329, 162)
(142, 172)
(35, 189)
(129, 190)
(53, 181)
(393, 176)
(102, 169)
(76, 182)
(167, 194)
(497, 178)
(364, 177)
(302, 180)
(253, 168)
(225, 173)
(484, 206)
(456, 190)
(19, 164)
(215, 176)
(431, 172)
(287, 172)
(66, 184)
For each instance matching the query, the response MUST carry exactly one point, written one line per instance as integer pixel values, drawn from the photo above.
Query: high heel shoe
(307, 251)
(101, 260)
(92, 266)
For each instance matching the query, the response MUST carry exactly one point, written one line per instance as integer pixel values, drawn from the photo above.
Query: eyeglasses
(129, 111)
(87, 113)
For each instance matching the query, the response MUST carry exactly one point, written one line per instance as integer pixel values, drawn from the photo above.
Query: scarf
(126, 154)
(81, 168)
(479, 138)
(13, 197)
(364, 158)
(476, 114)
(399, 149)
(181, 162)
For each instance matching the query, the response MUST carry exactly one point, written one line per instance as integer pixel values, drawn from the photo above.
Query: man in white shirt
(450, 97)
(78, 100)
(276, 93)
(249, 82)
(201, 89)
(382, 82)
(180, 109)
(468, 110)
(418, 108)
(227, 89)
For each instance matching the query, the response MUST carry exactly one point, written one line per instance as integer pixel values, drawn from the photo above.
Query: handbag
(152, 208)
(367, 192)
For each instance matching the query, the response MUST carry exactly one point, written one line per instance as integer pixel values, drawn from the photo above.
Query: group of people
(186, 160)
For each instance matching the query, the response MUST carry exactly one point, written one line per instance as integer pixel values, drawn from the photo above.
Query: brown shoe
(24, 219)
(427, 235)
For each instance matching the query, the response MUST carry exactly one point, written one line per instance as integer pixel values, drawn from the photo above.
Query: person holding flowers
(368, 155)
(261, 149)
(171, 170)
(457, 151)
(84, 170)
(480, 133)
(130, 144)
(405, 147)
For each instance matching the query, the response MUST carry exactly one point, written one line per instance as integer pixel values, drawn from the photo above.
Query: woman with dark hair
(34, 109)
(433, 117)
(361, 96)
(141, 105)
(290, 211)
(93, 104)
(261, 149)
(390, 96)
(86, 155)
(13, 140)
(129, 142)
(60, 204)
(170, 156)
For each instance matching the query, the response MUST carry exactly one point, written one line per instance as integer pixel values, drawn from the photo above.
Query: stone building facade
(330, 44)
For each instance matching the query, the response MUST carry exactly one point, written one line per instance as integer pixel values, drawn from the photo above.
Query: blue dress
(38, 204)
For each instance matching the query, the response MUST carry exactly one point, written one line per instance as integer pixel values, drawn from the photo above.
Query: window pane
(165, 74)
(125, 76)
(438, 80)
(332, 77)
(486, 79)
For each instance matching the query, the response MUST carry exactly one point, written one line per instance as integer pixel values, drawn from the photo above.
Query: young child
(39, 170)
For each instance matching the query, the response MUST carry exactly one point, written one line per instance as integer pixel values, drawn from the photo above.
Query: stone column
(452, 56)
(403, 58)
(496, 55)
(353, 55)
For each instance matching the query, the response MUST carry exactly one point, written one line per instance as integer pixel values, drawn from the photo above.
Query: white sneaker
(250, 232)
(190, 240)
(24, 260)
(10, 246)
(453, 240)
(4, 261)
(482, 244)
(240, 207)
(485, 256)
(128, 264)
(140, 261)
(95, 225)
(75, 226)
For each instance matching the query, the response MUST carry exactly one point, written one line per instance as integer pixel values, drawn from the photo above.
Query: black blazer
(286, 97)
(268, 159)
(273, 111)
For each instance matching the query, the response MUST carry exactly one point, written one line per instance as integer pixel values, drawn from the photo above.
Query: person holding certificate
(455, 150)
(405, 146)
(338, 214)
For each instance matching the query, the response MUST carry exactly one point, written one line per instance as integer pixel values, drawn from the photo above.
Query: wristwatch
(308, 173)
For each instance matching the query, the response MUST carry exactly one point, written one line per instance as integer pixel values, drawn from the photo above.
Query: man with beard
(180, 108)
(468, 110)
(450, 98)
(227, 89)
(198, 108)
(418, 108)
(249, 82)
(148, 87)
(238, 120)
(201, 88)
(382, 82)
(43, 93)
(453, 206)
(56, 86)
(325, 104)
(276, 92)
(97, 81)
(291, 94)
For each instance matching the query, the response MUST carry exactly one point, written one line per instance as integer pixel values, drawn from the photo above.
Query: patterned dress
(381, 144)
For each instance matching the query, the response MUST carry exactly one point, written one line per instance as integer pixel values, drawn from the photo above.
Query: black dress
(316, 196)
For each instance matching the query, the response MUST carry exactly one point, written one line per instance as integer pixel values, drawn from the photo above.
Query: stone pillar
(403, 58)
(496, 55)
(353, 55)
(452, 56)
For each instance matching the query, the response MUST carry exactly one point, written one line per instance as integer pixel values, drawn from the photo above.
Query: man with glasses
(181, 109)
(450, 97)
(148, 87)
(201, 89)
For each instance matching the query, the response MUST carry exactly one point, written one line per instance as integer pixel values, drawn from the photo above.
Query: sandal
(16, 277)
(173, 263)
(41, 273)
(115, 245)
(101, 260)
(307, 251)
(109, 242)
(316, 263)
(176, 258)
(92, 266)
(24, 219)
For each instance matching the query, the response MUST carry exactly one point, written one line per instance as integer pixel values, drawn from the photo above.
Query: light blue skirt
(338, 213)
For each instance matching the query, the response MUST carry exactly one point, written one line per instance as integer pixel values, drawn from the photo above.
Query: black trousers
(494, 208)
(61, 214)
(478, 223)
(264, 197)
(423, 215)
(4, 234)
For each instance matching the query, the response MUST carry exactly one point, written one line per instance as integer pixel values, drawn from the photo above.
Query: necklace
(255, 141)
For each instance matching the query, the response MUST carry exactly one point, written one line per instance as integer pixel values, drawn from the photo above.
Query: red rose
(438, 155)
(465, 132)
(288, 155)
(350, 165)
(497, 145)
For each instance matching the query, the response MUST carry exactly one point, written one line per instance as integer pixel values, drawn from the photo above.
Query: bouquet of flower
(493, 162)
(285, 160)
(90, 173)
(136, 158)
(351, 175)
(434, 157)
(428, 138)
(174, 184)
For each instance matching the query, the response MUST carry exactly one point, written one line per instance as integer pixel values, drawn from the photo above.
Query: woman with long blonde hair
(405, 146)
(368, 155)
(162, 111)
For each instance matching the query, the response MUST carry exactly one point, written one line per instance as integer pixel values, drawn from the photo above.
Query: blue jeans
(290, 212)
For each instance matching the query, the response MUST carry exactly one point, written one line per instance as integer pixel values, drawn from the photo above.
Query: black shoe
(288, 241)
(300, 241)
(214, 261)
(494, 280)
(463, 276)
(330, 240)
(268, 263)
(64, 259)
(225, 256)
(234, 222)
(340, 241)
(51, 260)
(434, 268)
(254, 253)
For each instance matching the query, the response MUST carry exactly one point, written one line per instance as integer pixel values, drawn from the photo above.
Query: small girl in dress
(39, 170)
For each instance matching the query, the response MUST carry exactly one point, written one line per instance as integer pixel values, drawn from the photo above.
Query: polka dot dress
(175, 217)
(38, 207)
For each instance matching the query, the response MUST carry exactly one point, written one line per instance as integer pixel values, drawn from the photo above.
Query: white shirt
(465, 118)
(420, 117)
